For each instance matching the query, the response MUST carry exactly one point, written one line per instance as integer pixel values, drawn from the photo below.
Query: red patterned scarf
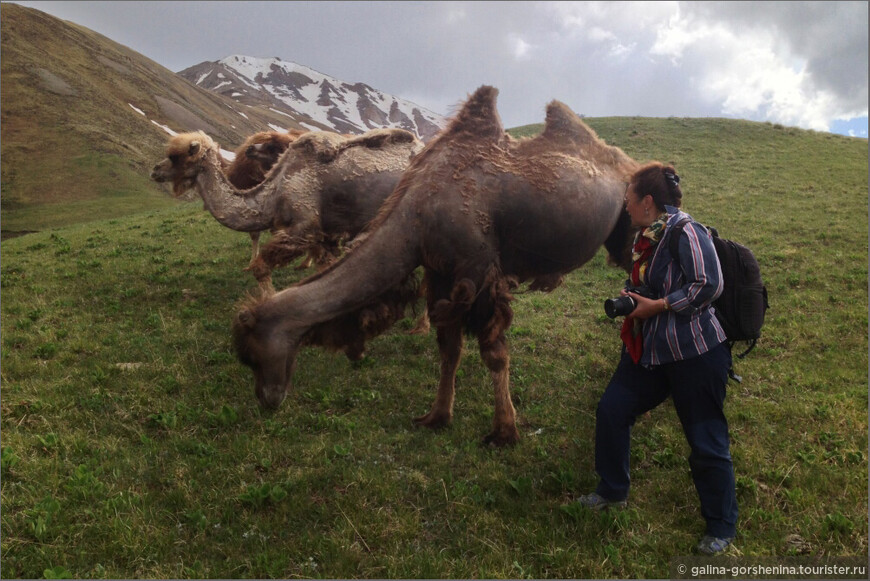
(644, 245)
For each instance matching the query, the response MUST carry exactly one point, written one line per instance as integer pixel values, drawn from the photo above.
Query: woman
(674, 346)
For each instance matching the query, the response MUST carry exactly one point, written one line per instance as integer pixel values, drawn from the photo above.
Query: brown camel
(253, 160)
(261, 152)
(265, 154)
(482, 213)
(322, 191)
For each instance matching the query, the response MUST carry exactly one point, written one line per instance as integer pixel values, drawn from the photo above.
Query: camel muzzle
(271, 398)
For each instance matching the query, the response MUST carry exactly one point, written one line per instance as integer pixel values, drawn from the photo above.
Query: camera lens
(619, 306)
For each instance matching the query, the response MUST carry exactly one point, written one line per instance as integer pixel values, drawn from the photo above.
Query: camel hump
(478, 116)
(268, 136)
(321, 145)
(563, 125)
(379, 138)
(325, 146)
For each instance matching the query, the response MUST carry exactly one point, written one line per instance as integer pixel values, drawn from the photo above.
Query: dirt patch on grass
(185, 119)
(53, 83)
(9, 234)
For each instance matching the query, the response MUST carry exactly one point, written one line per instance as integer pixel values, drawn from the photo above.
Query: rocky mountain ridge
(315, 100)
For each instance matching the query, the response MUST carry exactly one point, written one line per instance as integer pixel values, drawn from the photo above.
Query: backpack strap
(674, 236)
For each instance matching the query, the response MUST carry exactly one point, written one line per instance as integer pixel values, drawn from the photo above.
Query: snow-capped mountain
(312, 99)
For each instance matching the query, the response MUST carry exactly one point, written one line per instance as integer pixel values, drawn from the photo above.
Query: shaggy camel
(322, 191)
(243, 172)
(253, 160)
(482, 213)
(265, 154)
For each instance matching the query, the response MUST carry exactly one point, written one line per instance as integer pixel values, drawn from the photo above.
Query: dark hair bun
(673, 182)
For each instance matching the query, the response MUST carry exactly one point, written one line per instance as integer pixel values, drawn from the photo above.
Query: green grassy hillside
(74, 148)
(133, 446)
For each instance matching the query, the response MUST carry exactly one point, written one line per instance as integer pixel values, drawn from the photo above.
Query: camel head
(185, 154)
(269, 349)
(266, 147)
(267, 339)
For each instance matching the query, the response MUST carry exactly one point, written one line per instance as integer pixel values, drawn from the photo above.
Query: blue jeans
(697, 387)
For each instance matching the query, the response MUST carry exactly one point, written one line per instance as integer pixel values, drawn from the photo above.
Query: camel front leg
(255, 245)
(450, 347)
(504, 423)
(282, 249)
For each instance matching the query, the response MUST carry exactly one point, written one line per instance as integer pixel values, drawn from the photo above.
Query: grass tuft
(133, 446)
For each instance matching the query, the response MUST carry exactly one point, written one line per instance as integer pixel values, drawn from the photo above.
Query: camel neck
(382, 261)
(243, 211)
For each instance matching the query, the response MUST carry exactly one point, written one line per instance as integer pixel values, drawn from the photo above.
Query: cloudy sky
(801, 64)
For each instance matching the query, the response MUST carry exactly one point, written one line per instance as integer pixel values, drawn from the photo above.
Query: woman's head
(650, 189)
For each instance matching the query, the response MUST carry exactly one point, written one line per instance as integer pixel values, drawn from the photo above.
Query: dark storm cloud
(830, 36)
(802, 64)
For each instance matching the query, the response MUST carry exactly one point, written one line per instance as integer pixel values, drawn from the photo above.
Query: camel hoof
(433, 420)
(500, 438)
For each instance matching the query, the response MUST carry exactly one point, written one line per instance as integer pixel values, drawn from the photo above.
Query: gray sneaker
(595, 501)
(713, 545)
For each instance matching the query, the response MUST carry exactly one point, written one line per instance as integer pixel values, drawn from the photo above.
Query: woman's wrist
(665, 305)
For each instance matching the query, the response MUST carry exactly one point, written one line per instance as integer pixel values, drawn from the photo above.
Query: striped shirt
(691, 327)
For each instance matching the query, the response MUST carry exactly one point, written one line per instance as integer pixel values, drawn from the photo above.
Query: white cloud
(456, 13)
(746, 72)
(521, 48)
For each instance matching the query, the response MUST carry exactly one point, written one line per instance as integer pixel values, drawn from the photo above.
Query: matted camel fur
(482, 213)
(323, 190)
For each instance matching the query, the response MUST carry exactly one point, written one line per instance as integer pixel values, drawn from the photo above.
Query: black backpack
(741, 306)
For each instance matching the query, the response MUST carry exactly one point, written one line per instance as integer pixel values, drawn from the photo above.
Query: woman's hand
(646, 308)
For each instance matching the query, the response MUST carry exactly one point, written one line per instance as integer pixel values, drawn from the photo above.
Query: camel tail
(478, 116)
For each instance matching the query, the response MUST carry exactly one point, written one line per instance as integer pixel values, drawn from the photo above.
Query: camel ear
(194, 147)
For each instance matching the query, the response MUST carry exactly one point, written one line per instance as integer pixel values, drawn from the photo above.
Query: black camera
(625, 305)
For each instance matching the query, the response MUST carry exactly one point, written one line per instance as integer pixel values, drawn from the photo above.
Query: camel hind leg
(447, 315)
(496, 357)
(450, 347)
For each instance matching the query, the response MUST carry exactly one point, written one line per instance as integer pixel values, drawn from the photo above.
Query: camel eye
(174, 158)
